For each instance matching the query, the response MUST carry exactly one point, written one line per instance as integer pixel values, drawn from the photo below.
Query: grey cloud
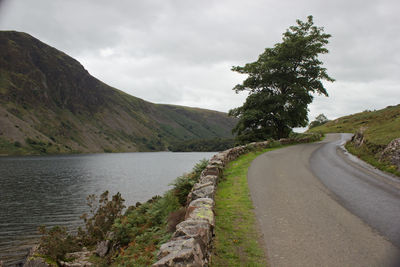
(181, 52)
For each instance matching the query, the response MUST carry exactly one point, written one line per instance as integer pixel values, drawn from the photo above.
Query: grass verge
(236, 241)
(372, 158)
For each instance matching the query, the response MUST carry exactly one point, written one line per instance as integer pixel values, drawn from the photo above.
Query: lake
(52, 190)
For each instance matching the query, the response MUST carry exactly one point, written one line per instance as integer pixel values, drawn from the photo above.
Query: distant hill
(379, 127)
(50, 104)
(376, 129)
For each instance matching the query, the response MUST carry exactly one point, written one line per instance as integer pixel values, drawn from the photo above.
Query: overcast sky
(181, 51)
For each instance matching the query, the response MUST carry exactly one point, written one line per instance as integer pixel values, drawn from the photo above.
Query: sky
(182, 51)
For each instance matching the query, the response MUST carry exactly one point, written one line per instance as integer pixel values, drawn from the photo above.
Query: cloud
(181, 52)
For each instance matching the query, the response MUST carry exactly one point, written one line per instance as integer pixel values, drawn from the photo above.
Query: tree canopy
(281, 84)
(321, 119)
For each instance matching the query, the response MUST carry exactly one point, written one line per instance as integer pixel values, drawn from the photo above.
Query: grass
(237, 241)
(366, 155)
(379, 128)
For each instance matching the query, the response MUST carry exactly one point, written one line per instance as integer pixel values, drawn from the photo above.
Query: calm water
(52, 190)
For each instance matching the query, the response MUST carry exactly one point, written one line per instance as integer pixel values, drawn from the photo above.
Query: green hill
(50, 104)
(378, 128)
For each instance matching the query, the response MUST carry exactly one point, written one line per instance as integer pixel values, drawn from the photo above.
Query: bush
(103, 214)
(56, 242)
(183, 184)
(17, 144)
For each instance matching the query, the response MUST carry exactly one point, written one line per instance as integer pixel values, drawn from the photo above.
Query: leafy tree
(319, 120)
(281, 83)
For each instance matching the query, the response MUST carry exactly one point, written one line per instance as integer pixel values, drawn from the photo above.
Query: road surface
(316, 207)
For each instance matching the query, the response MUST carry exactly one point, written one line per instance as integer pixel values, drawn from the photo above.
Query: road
(316, 207)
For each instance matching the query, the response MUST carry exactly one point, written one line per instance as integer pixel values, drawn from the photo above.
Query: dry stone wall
(191, 243)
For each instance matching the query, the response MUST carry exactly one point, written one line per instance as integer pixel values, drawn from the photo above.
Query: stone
(81, 259)
(201, 209)
(197, 229)
(212, 170)
(36, 262)
(102, 248)
(392, 153)
(358, 137)
(181, 252)
(202, 191)
(209, 179)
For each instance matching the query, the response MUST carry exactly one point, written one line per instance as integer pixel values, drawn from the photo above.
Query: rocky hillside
(50, 104)
(375, 135)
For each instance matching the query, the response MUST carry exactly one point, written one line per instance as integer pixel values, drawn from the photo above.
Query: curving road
(316, 206)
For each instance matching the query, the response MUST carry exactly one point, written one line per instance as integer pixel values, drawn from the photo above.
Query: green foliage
(137, 233)
(183, 184)
(204, 145)
(321, 119)
(236, 241)
(370, 153)
(145, 226)
(281, 83)
(103, 213)
(56, 242)
(379, 128)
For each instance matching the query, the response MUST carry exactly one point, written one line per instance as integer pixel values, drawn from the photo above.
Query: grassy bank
(237, 241)
(379, 128)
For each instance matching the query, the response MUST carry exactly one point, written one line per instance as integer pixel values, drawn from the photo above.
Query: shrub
(183, 184)
(103, 214)
(56, 242)
(17, 144)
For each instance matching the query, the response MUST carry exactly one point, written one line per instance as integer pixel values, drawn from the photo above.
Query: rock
(33, 261)
(358, 137)
(81, 259)
(36, 262)
(201, 209)
(392, 153)
(102, 248)
(205, 191)
(1, 264)
(181, 252)
(209, 178)
(212, 170)
(199, 230)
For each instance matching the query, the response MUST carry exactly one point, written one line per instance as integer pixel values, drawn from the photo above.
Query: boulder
(102, 248)
(392, 153)
(181, 252)
(358, 137)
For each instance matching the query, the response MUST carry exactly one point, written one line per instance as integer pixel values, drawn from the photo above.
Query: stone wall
(191, 243)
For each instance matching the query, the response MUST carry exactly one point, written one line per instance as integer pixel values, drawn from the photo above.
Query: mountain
(49, 103)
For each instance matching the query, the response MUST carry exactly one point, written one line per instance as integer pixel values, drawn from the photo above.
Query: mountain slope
(50, 104)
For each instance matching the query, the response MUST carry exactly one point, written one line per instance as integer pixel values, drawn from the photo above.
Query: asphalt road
(316, 207)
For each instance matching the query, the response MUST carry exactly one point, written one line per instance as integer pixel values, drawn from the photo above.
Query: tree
(281, 84)
(319, 120)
